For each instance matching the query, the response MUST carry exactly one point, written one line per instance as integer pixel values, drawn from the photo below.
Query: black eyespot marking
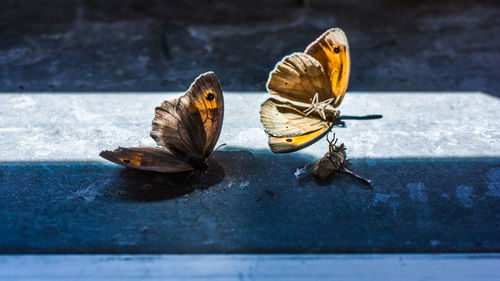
(336, 50)
(289, 140)
(210, 96)
(126, 161)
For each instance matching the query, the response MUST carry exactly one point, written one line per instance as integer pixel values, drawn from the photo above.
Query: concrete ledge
(251, 267)
(433, 158)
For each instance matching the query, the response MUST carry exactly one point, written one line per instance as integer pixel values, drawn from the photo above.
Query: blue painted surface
(416, 205)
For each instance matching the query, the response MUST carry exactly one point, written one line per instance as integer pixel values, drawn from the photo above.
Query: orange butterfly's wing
(288, 128)
(323, 70)
(294, 143)
(191, 125)
(298, 77)
(281, 119)
(331, 50)
(146, 158)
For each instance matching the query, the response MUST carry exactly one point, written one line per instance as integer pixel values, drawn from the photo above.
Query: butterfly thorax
(197, 162)
(331, 114)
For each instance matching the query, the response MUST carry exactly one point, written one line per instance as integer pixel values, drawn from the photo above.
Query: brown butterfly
(334, 161)
(311, 85)
(186, 130)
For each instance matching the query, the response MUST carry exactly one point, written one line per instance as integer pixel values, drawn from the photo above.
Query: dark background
(134, 45)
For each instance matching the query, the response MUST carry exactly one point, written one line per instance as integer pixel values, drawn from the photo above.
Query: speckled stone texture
(135, 45)
(433, 160)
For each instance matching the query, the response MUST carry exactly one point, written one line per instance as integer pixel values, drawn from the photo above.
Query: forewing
(283, 119)
(298, 77)
(146, 158)
(192, 123)
(331, 50)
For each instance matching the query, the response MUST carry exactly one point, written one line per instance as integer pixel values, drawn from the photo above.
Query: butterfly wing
(298, 77)
(190, 125)
(323, 69)
(294, 143)
(146, 158)
(288, 128)
(283, 119)
(331, 50)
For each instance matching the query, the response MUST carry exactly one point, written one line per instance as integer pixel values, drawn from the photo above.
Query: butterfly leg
(317, 106)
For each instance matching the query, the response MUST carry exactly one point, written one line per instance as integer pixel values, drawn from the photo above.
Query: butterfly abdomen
(332, 162)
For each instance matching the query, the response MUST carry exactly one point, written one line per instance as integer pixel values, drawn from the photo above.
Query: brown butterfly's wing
(298, 77)
(146, 158)
(331, 50)
(190, 126)
(283, 119)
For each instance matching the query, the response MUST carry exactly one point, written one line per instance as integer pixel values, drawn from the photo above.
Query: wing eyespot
(289, 140)
(336, 50)
(125, 161)
(210, 96)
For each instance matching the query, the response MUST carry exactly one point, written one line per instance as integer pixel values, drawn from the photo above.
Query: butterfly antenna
(217, 148)
(364, 117)
(335, 141)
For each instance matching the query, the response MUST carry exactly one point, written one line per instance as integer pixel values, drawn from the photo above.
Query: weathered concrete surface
(459, 267)
(433, 159)
(127, 45)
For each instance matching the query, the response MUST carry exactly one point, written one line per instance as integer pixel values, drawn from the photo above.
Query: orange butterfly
(311, 86)
(186, 130)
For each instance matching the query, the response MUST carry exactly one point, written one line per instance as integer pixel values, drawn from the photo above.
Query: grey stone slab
(389, 267)
(433, 159)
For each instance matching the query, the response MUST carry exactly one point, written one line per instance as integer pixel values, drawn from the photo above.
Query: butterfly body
(334, 162)
(310, 86)
(186, 131)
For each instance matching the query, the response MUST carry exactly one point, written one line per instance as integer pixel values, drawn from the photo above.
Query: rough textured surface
(433, 159)
(460, 267)
(126, 45)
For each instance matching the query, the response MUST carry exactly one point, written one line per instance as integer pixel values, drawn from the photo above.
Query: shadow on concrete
(251, 203)
(146, 186)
